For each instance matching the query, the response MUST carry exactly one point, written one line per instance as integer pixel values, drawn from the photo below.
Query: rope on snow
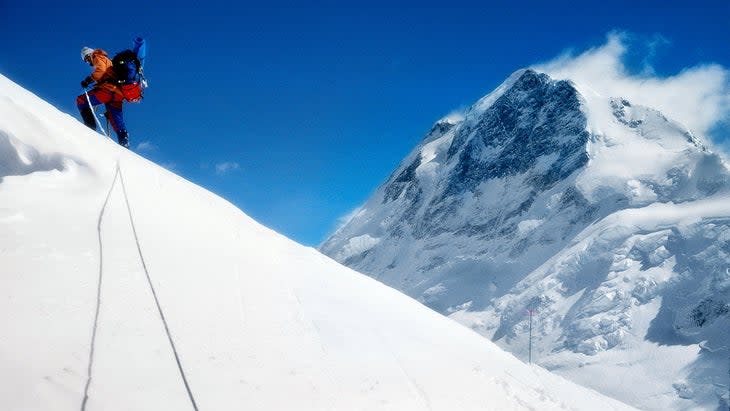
(118, 174)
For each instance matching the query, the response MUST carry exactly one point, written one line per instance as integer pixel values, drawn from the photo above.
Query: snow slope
(606, 219)
(257, 321)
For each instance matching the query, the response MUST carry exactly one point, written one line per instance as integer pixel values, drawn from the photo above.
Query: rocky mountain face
(607, 221)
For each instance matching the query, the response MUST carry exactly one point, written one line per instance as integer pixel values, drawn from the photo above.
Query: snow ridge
(253, 314)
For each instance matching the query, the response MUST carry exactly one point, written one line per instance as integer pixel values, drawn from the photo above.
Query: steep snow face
(469, 186)
(499, 214)
(88, 230)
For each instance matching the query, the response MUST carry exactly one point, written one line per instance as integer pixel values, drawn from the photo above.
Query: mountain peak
(535, 117)
(492, 216)
(530, 78)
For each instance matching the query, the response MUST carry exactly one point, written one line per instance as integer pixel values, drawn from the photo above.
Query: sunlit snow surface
(259, 322)
(607, 220)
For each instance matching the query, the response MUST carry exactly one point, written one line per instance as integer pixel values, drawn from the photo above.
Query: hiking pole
(98, 123)
(106, 115)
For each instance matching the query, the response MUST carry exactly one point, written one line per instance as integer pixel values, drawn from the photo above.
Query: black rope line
(98, 292)
(154, 293)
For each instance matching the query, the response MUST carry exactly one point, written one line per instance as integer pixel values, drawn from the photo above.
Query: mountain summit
(607, 221)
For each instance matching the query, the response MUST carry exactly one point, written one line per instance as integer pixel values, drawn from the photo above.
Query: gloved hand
(85, 82)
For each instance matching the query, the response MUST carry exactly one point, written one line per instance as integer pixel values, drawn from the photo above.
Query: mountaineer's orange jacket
(103, 74)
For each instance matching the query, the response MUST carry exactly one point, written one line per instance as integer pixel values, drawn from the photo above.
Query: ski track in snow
(308, 325)
(412, 383)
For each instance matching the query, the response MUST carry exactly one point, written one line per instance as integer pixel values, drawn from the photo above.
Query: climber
(105, 92)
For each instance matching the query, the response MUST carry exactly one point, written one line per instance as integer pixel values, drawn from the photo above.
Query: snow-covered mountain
(607, 220)
(125, 287)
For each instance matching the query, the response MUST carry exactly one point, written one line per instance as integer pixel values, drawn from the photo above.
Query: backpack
(128, 75)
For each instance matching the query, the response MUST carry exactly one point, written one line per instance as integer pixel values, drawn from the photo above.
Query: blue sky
(297, 111)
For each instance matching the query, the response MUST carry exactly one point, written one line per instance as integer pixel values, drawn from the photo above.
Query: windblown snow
(606, 219)
(257, 321)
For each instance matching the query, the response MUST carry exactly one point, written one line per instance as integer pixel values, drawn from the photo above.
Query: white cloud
(146, 146)
(657, 42)
(342, 221)
(226, 167)
(698, 97)
(455, 116)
